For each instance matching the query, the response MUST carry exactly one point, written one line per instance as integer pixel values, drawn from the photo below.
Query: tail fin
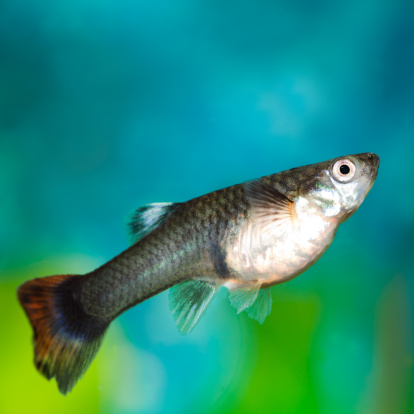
(66, 339)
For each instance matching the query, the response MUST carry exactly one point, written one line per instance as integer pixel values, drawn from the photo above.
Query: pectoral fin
(188, 302)
(262, 307)
(146, 218)
(271, 210)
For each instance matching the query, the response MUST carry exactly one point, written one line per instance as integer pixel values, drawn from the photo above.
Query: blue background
(108, 105)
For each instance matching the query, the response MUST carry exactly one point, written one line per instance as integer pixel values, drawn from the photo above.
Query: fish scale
(180, 244)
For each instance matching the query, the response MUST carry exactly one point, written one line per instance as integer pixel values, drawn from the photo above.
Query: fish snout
(375, 160)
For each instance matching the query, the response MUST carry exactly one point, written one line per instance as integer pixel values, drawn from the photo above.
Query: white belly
(281, 252)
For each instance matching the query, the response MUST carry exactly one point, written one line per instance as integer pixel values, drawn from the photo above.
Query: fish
(247, 238)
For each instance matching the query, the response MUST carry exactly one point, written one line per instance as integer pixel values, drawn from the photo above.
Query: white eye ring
(343, 170)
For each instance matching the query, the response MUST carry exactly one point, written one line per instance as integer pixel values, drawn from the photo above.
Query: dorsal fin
(271, 210)
(146, 218)
(188, 302)
(262, 307)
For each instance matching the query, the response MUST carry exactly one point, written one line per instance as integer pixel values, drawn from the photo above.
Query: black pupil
(344, 169)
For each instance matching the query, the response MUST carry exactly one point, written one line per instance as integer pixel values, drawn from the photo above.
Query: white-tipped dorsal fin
(188, 302)
(146, 218)
(243, 298)
(262, 307)
(271, 210)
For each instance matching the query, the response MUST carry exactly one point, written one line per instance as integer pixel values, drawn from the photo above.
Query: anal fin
(188, 302)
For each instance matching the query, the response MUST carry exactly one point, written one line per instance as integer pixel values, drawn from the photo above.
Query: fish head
(344, 182)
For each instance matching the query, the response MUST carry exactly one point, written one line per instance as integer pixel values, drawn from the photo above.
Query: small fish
(247, 237)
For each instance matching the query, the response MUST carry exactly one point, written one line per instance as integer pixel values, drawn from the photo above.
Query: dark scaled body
(190, 244)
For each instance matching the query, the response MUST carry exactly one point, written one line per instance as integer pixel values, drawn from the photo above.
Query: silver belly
(280, 254)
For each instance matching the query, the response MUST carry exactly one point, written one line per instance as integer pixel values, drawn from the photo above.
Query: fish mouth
(375, 160)
(369, 164)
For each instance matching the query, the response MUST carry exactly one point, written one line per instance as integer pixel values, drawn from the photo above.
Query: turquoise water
(105, 106)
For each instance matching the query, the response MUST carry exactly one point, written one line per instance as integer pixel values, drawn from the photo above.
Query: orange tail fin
(66, 339)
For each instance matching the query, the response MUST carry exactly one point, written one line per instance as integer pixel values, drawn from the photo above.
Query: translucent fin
(244, 297)
(271, 210)
(146, 218)
(188, 302)
(66, 339)
(262, 307)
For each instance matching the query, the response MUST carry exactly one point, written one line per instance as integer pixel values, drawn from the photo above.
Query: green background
(108, 105)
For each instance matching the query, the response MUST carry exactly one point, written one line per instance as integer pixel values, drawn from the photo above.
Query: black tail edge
(65, 339)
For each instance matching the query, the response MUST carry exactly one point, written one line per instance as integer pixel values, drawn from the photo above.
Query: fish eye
(343, 170)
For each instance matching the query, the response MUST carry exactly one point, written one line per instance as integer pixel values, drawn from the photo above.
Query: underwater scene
(106, 106)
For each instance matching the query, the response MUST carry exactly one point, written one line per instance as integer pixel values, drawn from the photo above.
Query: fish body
(246, 237)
